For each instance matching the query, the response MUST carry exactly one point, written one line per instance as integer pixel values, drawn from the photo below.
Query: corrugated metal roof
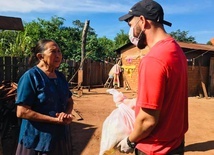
(11, 23)
(192, 46)
(203, 47)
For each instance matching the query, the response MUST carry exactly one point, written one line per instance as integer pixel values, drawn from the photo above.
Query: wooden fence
(95, 73)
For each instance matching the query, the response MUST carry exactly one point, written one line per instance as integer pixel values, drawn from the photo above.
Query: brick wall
(130, 61)
(131, 58)
(194, 80)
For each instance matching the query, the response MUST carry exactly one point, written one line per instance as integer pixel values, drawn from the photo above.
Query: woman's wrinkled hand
(64, 118)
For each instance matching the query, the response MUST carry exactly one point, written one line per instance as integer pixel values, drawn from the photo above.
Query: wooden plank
(76, 115)
(14, 69)
(11, 23)
(80, 76)
(126, 84)
(86, 71)
(1, 70)
(14, 85)
(211, 77)
(1, 149)
(22, 66)
(99, 73)
(7, 68)
(202, 81)
(8, 97)
(93, 73)
(89, 75)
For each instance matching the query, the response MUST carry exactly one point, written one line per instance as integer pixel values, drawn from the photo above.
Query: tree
(121, 39)
(21, 45)
(7, 38)
(13, 43)
(182, 36)
(67, 38)
(108, 47)
(40, 29)
(100, 48)
(209, 43)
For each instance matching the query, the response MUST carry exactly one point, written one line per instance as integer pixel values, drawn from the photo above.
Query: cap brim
(167, 23)
(125, 17)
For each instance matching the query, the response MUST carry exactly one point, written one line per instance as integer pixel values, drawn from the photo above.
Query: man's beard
(142, 41)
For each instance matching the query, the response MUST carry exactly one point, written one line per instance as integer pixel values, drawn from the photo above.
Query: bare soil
(96, 105)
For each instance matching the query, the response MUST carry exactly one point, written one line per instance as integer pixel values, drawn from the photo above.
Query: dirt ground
(96, 105)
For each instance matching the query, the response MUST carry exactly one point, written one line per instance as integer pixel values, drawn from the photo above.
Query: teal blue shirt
(47, 96)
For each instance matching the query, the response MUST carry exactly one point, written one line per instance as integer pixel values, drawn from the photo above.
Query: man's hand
(124, 147)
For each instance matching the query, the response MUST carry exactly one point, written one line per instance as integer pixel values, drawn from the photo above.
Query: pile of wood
(9, 123)
(7, 91)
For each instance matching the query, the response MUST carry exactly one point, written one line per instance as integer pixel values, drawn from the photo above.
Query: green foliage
(19, 43)
(209, 43)
(14, 43)
(64, 68)
(7, 39)
(41, 29)
(121, 39)
(107, 46)
(100, 48)
(182, 36)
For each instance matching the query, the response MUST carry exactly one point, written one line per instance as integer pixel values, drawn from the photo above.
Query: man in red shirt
(162, 101)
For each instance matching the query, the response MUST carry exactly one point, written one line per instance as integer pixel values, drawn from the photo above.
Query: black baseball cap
(149, 9)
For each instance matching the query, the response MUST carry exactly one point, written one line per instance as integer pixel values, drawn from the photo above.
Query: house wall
(194, 80)
(131, 57)
(130, 61)
(199, 61)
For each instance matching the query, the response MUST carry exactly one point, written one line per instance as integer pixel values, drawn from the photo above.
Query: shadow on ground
(83, 136)
(202, 146)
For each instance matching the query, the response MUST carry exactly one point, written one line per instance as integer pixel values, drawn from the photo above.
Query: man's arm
(145, 122)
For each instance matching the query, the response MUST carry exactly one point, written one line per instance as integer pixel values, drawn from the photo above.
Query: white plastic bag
(118, 97)
(117, 125)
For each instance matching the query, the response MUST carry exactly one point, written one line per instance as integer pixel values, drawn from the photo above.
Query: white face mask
(132, 38)
(135, 40)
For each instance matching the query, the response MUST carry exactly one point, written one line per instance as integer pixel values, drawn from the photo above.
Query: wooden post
(84, 36)
(211, 76)
(80, 77)
(202, 81)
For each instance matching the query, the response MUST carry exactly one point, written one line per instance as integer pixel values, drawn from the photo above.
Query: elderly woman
(44, 103)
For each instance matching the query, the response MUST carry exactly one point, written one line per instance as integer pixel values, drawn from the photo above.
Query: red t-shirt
(162, 85)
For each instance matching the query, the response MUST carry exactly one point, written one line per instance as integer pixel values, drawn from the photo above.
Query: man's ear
(143, 21)
(39, 56)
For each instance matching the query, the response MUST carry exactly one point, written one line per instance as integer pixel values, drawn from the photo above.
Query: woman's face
(52, 55)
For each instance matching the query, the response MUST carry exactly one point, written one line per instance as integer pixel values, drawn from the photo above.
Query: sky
(194, 16)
